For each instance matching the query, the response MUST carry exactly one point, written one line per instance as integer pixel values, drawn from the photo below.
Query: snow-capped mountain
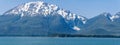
(103, 24)
(41, 8)
(39, 18)
(45, 9)
(44, 19)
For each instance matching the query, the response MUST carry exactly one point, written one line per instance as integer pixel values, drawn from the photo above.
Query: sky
(86, 8)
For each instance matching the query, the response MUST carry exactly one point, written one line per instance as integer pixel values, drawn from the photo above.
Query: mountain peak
(105, 14)
(41, 8)
(32, 8)
(116, 16)
(111, 17)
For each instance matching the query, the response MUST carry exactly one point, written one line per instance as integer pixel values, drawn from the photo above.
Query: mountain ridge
(47, 19)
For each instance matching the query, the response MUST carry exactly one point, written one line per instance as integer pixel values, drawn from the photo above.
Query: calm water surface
(58, 41)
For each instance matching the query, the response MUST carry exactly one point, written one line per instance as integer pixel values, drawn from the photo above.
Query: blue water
(57, 41)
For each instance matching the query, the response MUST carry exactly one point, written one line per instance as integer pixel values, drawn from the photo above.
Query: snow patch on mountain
(114, 17)
(62, 12)
(76, 28)
(33, 8)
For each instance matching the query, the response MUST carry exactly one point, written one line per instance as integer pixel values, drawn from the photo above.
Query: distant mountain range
(44, 19)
